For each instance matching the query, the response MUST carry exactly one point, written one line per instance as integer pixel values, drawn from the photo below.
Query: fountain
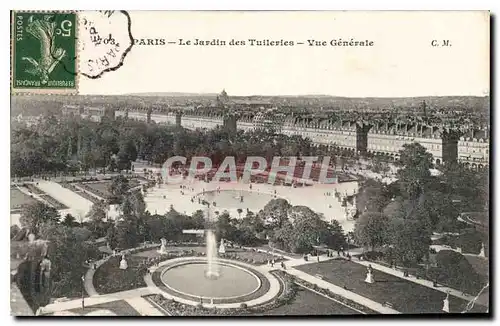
(212, 266)
(212, 279)
(212, 271)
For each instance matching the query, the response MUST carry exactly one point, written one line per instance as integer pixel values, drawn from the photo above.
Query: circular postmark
(105, 40)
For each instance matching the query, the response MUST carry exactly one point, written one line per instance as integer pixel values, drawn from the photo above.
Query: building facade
(387, 139)
(474, 148)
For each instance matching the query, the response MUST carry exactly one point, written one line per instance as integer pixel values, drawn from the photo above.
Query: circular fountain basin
(190, 279)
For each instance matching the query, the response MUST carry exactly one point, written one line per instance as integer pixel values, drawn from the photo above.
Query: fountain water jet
(212, 266)
(211, 249)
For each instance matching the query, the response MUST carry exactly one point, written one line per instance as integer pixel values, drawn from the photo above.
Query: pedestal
(369, 278)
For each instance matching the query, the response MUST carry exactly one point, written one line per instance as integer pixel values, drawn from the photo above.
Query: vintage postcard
(267, 163)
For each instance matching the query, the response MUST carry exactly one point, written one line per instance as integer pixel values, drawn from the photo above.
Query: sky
(402, 62)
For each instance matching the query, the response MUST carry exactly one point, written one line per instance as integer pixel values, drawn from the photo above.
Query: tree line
(56, 145)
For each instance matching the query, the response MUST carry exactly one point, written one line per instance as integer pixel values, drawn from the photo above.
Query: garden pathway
(78, 206)
(143, 307)
(105, 298)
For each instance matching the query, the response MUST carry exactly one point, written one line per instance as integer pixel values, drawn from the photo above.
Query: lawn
(405, 296)
(309, 303)
(120, 308)
(18, 199)
(109, 278)
(101, 188)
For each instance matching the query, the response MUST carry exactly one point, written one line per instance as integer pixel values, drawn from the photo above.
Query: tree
(69, 220)
(334, 235)
(67, 253)
(275, 213)
(303, 230)
(96, 216)
(127, 206)
(34, 215)
(126, 154)
(370, 230)
(199, 219)
(409, 240)
(454, 270)
(111, 237)
(97, 212)
(127, 233)
(224, 227)
(372, 197)
(414, 174)
(137, 204)
(251, 229)
(119, 187)
(283, 237)
(442, 211)
(14, 230)
(471, 187)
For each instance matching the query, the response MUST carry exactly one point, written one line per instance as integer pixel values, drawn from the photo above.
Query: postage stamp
(44, 52)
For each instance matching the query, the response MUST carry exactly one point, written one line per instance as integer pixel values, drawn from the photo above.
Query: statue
(45, 266)
(222, 248)
(123, 263)
(163, 248)
(446, 303)
(369, 275)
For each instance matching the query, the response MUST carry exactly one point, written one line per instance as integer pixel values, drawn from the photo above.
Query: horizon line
(158, 94)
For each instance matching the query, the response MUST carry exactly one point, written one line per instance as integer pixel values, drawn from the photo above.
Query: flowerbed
(54, 202)
(109, 278)
(252, 257)
(33, 189)
(246, 255)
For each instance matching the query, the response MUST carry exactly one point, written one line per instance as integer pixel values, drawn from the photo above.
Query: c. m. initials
(441, 43)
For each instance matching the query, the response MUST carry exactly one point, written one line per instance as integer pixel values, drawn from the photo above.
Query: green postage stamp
(44, 52)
